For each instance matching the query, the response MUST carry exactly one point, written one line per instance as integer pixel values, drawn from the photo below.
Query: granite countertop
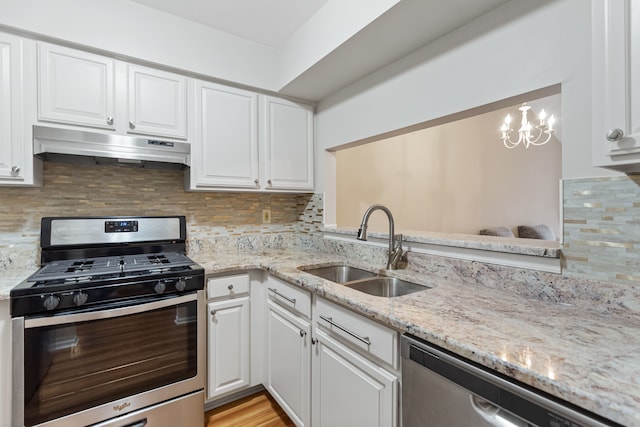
(583, 355)
(11, 277)
(522, 246)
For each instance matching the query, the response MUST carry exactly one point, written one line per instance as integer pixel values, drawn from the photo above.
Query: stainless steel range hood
(81, 147)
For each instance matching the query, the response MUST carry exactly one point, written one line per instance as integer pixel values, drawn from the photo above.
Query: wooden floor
(258, 410)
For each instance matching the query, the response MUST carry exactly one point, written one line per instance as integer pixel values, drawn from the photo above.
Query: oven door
(83, 368)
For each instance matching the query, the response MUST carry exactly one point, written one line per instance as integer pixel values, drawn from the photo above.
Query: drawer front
(228, 286)
(290, 296)
(361, 333)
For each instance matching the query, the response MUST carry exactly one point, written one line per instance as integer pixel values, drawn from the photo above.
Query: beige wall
(454, 178)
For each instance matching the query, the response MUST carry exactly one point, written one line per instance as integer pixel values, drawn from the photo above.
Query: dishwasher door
(440, 389)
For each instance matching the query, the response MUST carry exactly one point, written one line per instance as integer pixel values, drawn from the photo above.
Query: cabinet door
(157, 103)
(225, 150)
(228, 346)
(287, 135)
(349, 390)
(11, 138)
(616, 76)
(288, 362)
(75, 87)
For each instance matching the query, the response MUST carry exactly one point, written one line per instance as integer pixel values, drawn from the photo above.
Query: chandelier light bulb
(550, 123)
(542, 116)
(528, 134)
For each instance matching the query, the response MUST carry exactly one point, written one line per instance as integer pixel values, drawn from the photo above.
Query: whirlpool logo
(121, 407)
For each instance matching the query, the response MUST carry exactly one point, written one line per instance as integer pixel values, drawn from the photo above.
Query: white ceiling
(380, 39)
(266, 22)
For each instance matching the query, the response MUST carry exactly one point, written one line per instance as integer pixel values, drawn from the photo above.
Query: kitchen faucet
(395, 251)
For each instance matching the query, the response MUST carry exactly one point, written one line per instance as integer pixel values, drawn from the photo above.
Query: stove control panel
(92, 296)
(121, 226)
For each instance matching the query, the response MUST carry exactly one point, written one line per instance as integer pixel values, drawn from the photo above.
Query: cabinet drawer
(228, 286)
(289, 296)
(364, 334)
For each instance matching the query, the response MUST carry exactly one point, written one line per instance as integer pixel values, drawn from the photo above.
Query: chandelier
(528, 134)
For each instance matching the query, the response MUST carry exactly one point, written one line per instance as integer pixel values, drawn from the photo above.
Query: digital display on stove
(121, 226)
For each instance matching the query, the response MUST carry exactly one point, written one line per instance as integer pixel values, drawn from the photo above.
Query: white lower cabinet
(350, 390)
(355, 369)
(228, 342)
(228, 335)
(289, 362)
(342, 369)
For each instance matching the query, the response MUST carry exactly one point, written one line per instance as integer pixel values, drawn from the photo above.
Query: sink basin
(385, 286)
(366, 281)
(340, 273)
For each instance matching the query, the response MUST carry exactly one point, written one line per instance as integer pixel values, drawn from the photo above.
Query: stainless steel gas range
(110, 331)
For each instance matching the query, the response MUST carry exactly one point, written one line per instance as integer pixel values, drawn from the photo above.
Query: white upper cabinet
(157, 102)
(16, 158)
(11, 144)
(287, 136)
(75, 87)
(79, 88)
(616, 84)
(231, 151)
(225, 150)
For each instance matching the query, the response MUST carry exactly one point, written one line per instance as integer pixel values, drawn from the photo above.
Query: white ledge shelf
(533, 254)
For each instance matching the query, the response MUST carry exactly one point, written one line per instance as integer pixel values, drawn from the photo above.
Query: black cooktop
(82, 269)
(92, 262)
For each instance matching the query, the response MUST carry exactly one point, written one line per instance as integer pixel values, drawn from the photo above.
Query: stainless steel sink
(366, 281)
(386, 286)
(340, 273)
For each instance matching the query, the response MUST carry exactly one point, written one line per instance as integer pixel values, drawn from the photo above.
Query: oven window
(72, 367)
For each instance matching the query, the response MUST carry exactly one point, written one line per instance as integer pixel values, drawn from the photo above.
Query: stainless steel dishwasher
(441, 389)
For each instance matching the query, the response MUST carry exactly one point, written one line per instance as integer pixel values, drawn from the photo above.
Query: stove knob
(159, 287)
(80, 298)
(51, 302)
(181, 285)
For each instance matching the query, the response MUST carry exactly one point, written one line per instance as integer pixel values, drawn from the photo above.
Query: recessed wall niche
(455, 177)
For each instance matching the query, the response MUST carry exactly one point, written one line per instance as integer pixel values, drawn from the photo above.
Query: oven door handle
(110, 313)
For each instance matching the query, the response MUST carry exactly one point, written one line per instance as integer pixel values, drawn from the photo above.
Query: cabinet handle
(329, 320)
(213, 312)
(256, 181)
(314, 341)
(109, 121)
(230, 287)
(269, 181)
(615, 135)
(275, 291)
(15, 170)
(132, 125)
(302, 333)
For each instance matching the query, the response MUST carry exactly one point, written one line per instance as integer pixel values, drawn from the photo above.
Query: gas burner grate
(158, 259)
(80, 266)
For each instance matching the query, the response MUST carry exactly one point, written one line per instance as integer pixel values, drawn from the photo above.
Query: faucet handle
(397, 253)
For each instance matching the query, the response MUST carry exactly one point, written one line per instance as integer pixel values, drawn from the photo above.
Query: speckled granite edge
(532, 247)
(10, 278)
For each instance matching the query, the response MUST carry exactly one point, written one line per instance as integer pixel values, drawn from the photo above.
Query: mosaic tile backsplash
(601, 216)
(602, 229)
(224, 219)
